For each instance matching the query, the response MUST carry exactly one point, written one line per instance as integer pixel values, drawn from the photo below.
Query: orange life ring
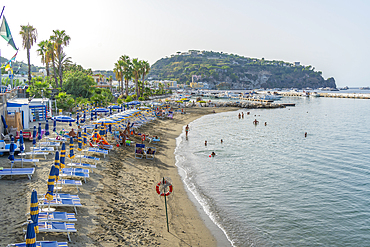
(162, 193)
(143, 137)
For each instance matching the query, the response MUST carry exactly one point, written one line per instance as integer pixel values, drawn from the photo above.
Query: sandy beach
(120, 204)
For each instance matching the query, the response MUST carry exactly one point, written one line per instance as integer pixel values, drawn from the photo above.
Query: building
(297, 64)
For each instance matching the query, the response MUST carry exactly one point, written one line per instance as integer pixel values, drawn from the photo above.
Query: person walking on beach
(187, 130)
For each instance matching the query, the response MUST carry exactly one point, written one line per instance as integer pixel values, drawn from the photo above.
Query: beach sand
(121, 206)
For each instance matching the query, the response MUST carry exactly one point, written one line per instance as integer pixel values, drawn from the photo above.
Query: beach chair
(17, 172)
(26, 161)
(75, 172)
(42, 149)
(75, 203)
(97, 151)
(150, 152)
(62, 182)
(139, 150)
(49, 144)
(57, 216)
(42, 244)
(57, 227)
(154, 140)
(34, 154)
(95, 159)
(59, 196)
(82, 165)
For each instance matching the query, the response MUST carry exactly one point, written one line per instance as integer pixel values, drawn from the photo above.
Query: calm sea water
(272, 186)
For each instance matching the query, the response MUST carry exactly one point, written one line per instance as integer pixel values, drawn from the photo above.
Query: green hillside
(229, 71)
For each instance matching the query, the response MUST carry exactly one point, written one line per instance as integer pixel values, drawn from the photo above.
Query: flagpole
(1, 79)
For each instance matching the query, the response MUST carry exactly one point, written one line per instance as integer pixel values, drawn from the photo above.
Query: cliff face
(228, 71)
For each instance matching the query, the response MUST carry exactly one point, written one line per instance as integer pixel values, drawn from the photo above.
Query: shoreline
(121, 206)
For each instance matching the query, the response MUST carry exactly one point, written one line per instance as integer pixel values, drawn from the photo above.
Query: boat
(365, 88)
(344, 88)
(314, 94)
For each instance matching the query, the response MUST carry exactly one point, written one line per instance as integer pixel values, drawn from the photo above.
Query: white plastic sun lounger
(62, 182)
(34, 161)
(97, 151)
(82, 165)
(49, 144)
(59, 196)
(88, 157)
(61, 203)
(76, 172)
(34, 153)
(57, 227)
(17, 172)
(42, 149)
(57, 216)
(43, 244)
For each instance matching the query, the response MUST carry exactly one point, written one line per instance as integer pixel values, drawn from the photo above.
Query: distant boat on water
(365, 88)
(344, 88)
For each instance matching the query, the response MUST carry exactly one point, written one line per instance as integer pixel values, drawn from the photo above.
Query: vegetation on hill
(229, 71)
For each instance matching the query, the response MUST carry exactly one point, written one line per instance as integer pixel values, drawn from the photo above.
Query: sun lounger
(34, 154)
(59, 196)
(139, 150)
(97, 151)
(57, 140)
(82, 165)
(61, 203)
(43, 244)
(76, 172)
(149, 154)
(57, 216)
(17, 172)
(49, 144)
(62, 182)
(42, 149)
(34, 161)
(57, 227)
(88, 157)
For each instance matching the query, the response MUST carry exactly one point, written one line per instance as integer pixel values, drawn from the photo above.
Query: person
(305, 134)
(72, 133)
(265, 123)
(239, 115)
(149, 151)
(213, 154)
(242, 115)
(214, 111)
(222, 141)
(205, 143)
(255, 121)
(187, 130)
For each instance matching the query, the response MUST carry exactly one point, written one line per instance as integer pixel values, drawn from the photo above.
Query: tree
(60, 39)
(136, 71)
(42, 52)
(78, 83)
(145, 68)
(39, 88)
(127, 66)
(29, 36)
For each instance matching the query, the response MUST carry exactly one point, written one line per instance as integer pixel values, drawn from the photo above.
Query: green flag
(6, 34)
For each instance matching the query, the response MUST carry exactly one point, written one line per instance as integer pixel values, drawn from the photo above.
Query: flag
(6, 34)
(8, 67)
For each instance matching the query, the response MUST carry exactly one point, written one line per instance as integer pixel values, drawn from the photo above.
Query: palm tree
(29, 36)
(136, 71)
(60, 39)
(118, 71)
(42, 52)
(127, 66)
(145, 68)
(63, 61)
(50, 52)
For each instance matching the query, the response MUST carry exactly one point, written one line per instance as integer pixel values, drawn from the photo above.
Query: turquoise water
(272, 186)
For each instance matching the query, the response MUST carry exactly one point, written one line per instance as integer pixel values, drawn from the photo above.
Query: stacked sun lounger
(82, 165)
(26, 161)
(17, 172)
(43, 244)
(57, 216)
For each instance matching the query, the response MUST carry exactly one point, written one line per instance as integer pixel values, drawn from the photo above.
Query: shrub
(129, 99)
(119, 101)
(141, 98)
(202, 101)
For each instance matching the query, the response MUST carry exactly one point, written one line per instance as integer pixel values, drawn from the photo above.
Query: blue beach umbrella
(63, 155)
(34, 210)
(39, 137)
(102, 130)
(30, 236)
(71, 146)
(54, 125)
(91, 116)
(79, 146)
(70, 115)
(85, 137)
(47, 128)
(57, 166)
(110, 110)
(84, 116)
(65, 119)
(4, 122)
(11, 152)
(78, 118)
(21, 143)
(50, 193)
(110, 128)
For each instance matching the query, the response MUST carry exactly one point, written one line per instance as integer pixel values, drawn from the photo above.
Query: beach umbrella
(71, 146)
(85, 137)
(34, 138)
(84, 116)
(102, 130)
(78, 118)
(11, 152)
(95, 132)
(30, 235)
(91, 116)
(47, 128)
(51, 180)
(39, 137)
(70, 115)
(101, 110)
(110, 110)
(110, 128)
(63, 155)
(4, 122)
(34, 210)
(79, 146)
(21, 142)
(54, 126)
(63, 118)
(57, 166)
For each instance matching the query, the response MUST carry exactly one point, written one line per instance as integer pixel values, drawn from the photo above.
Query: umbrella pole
(47, 214)
(22, 158)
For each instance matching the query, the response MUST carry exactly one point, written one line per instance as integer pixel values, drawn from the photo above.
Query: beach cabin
(22, 106)
(40, 109)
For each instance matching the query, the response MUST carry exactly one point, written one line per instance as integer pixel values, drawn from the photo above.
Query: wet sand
(121, 206)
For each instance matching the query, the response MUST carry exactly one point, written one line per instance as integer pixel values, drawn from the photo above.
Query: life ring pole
(165, 203)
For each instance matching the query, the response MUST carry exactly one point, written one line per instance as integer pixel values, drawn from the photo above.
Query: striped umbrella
(63, 155)
(84, 116)
(11, 152)
(79, 146)
(91, 116)
(85, 137)
(110, 128)
(70, 123)
(95, 132)
(30, 235)
(57, 166)
(49, 194)
(21, 143)
(110, 111)
(78, 118)
(39, 137)
(71, 146)
(102, 130)
(47, 128)
(34, 133)
(34, 210)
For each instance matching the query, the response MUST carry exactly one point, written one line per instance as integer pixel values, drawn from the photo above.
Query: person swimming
(255, 121)
(213, 154)
(222, 141)
(205, 143)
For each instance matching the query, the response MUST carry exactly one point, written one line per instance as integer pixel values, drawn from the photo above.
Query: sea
(270, 185)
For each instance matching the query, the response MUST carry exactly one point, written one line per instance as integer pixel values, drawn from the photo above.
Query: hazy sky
(332, 36)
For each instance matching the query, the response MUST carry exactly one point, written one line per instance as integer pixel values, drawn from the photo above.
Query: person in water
(187, 130)
(213, 154)
(255, 121)
(305, 134)
(222, 141)
(239, 115)
(205, 143)
(242, 115)
(265, 123)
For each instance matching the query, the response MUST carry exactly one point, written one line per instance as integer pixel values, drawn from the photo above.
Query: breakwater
(243, 104)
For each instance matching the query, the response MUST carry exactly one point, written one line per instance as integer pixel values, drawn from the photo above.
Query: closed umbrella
(34, 210)
(54, 126)
(21, 143)
(95, 133)
(79, 146)
(4, 122)
(102, 130)
(11, 152)
(91, 116)
(39, 137)
(34, 139)
(50, 193)
(63, 155)
(30, 235)
(47, 128)
(71, 146)
(78, 118)
(70, 115)
(57, 166)
(85, 137)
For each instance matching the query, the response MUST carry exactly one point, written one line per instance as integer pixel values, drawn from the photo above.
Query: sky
(331, 35)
